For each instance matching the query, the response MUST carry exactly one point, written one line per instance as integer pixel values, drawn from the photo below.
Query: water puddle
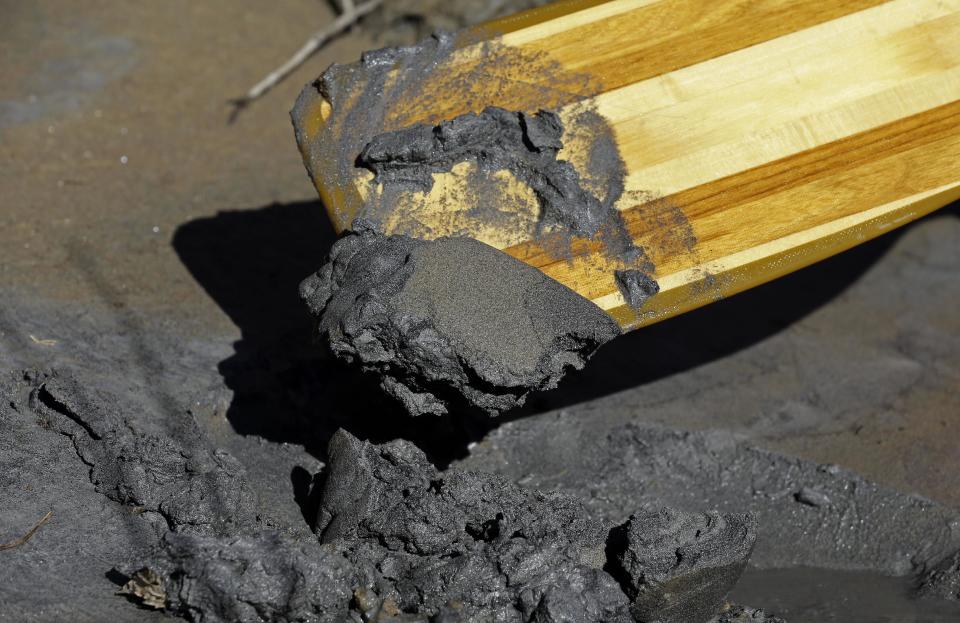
(814, 595)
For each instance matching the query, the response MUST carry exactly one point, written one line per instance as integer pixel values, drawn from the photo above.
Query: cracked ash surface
(396, 539)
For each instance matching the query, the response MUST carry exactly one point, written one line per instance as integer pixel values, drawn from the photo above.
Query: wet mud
(391, 537)
(823, 594)
(626, 531)
(450, 320)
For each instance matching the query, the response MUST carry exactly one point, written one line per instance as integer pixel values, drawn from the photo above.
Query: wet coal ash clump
(450, 319)
(809, 514)
(197, 543)
(465, 545)
(261, 576)
(941, 580)
(678, 566)
(744, 614)
(636, 286)
(402, 541)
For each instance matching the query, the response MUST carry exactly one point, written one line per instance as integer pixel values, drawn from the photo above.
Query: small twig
(351, 13)
(28, 535)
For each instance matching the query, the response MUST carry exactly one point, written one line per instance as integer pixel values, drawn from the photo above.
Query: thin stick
(351, 13)
(28, 535)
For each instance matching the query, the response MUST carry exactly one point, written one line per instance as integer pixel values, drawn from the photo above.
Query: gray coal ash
(636, 286)
(376, 108)
(399, 540)
(261, 576)
(679, 567)
(188, 487)
(390, 89)
(743, 614)
(467, 544)
(402, 541)
(849, 523)
(942, 579)
(396, 539)
(497, 140)
(452, 317)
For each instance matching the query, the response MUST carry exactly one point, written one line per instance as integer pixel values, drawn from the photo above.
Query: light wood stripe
(634, 40)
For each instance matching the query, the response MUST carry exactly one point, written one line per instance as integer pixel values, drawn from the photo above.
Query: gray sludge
(449, 318)
(263, 576)
(210, 555)
(177, 479)
(678, 566)
(497, 140)
(467, 546)
(636, 286)
(809, 514)
(464, 545)
(743, 614)
(941, 580)
(396, 539)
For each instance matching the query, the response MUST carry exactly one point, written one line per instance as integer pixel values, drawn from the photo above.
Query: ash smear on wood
(411, 113)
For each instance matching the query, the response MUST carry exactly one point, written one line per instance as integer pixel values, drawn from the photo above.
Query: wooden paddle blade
(757, 137)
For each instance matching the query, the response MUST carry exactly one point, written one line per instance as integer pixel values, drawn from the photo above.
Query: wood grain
(773, 132)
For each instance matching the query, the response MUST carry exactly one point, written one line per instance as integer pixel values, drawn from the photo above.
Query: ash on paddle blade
(450, 319)
(497, 140)
(636, 286)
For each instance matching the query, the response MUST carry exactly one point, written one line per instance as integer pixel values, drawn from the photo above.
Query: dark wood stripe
(823, 161)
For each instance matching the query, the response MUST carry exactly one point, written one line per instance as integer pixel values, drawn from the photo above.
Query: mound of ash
(401, 541)
(450, 319)
(394, 538)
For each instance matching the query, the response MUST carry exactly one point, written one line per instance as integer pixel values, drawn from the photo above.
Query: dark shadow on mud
(287, 389)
